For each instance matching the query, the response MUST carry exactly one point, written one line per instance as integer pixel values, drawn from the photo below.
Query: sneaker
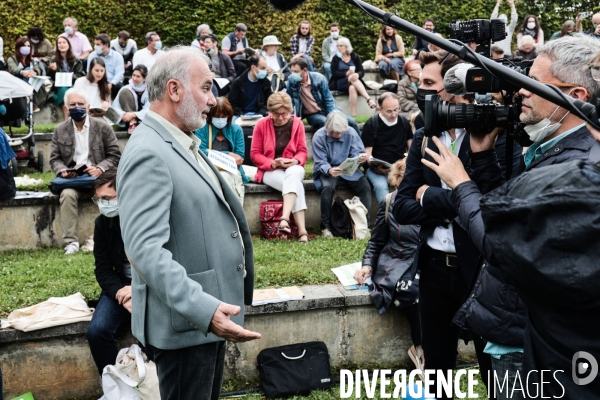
(36, 108)
(131, 128)
(71, 248)
(326, 233)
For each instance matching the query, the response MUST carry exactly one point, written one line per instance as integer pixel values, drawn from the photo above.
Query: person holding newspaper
(338, 151)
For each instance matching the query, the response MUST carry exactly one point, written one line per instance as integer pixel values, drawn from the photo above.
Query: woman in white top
(95, 84)
(132, 101)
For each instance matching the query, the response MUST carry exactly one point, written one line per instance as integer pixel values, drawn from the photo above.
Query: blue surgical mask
(77, 114)
(34, 41)
(68, 30)
(338, 54)
(157, 45)
(111, 210)
(219, 123)
(210, 52)
(262, 74)
(295, 77)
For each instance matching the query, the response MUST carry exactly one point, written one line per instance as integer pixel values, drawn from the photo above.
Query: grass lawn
(42, 187)
(37, 128)
(32, 276)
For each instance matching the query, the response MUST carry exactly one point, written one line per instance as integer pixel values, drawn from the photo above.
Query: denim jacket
(320, 91)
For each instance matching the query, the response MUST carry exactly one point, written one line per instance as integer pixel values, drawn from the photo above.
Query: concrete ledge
(55, 363)
(33, 223)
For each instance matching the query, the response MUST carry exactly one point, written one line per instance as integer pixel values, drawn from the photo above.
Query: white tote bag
(358, 213)
(133, 377)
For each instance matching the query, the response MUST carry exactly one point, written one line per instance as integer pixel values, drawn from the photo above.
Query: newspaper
(221, 82)
(63, 79)
(377, 162)
(37, 81)
(345, 275)
(222, 161)
(349, 166)
(269, 296)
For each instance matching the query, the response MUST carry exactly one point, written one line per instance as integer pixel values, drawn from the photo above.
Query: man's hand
(66, 174)
(485, 142)
(420, 193)
(222, 325)
(381, 170)
(124, 294)
(363, 158)
(269, 70)
(335, 172)
(127, 305)
(93, 171)
(127, 64)
(361, 275)
(449, 167)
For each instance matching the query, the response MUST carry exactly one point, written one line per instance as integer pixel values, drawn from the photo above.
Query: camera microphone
(286, 5)
(456, 78)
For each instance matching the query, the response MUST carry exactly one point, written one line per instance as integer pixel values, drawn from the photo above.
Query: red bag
(270, 216)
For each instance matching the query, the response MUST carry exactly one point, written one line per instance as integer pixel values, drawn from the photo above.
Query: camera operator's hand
(484, 142)
(449, 167)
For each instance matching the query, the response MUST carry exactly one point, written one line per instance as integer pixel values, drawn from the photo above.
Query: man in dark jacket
(251, 90)
(447, 258)
(495, 310)
(113, 273)
(221, 66)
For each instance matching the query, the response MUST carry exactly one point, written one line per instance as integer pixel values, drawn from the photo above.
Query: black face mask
(421, 93)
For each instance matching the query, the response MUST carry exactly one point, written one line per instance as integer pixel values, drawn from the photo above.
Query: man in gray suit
(185, 234)
(80, 140)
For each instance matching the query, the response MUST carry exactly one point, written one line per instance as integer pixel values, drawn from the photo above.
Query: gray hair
(148, 37)
(336, 122)
(570, 55)
(175, 64)
(201, 27)
(527, 40)
(345, 42)
(73, 20)
(77, 92)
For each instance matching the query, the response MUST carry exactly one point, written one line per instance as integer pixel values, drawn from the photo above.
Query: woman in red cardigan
(279, 151)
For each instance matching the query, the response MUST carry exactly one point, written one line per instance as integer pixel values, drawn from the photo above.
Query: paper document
(37, 81)
(377, 162)
(222, 161)
(269, 296)
(221, 82)
(31, 195)
(345, 275)
(63, 79)
(349, 166)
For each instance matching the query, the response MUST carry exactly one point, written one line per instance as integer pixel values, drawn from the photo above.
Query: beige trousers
(69, 214)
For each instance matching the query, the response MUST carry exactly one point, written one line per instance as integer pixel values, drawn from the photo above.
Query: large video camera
(480, 31)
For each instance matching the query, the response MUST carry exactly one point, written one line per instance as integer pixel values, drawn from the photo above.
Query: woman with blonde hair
(279, 151)
(388, 256)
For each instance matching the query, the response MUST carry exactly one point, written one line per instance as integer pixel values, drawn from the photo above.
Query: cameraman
(447, 258)
(537, 338)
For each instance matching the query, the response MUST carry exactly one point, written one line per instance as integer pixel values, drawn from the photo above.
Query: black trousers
(240, 66)
(442, 291)
(191, 373)
(114, 91)
(361, 187)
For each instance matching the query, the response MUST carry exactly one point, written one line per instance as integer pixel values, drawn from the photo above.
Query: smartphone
(584, 14)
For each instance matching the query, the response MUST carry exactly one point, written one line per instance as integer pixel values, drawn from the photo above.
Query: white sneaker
(326, 233)
(71, 248)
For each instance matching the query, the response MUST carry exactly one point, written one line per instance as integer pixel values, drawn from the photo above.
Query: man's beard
(189, 114)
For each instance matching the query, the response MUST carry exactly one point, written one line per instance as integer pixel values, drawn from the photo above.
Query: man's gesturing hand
(449, 167)
(222, 325)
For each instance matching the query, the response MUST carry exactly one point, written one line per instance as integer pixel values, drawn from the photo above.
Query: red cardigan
(262, 150)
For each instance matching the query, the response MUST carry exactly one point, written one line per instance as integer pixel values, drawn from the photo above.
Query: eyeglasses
(391, 112)
(280, 115)
(559, 84)
(104, 202)
(78, 104)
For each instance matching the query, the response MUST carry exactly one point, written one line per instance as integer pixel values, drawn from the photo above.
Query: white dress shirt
(146, 58)
(442, 238)
(82, 144)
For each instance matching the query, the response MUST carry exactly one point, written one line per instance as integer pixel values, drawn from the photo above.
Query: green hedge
(176, 20)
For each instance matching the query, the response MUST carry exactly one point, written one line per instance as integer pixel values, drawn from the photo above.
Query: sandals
(371, 103)
(288, 230)
(301, 236)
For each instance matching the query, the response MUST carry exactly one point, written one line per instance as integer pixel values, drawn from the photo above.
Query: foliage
(23, 130)
(46, 178)
(176, 20)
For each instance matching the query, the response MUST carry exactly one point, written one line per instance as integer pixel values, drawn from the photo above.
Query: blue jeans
(108, 319)
(317, 120)
(508, 365)
(191, 373)
(327, 68)
(395, 64)
(379, 183)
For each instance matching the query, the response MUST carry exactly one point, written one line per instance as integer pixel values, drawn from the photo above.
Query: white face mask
(540, 131)
(530, 25)
(388, 123)
(335, 35)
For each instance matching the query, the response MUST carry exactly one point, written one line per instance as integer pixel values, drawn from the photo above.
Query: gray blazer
(188, 242)
(103, 146)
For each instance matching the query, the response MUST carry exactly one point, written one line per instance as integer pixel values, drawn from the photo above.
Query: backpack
(341, 221)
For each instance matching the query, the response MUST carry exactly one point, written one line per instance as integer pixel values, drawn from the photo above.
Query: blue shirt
(538, 149)
(329, 152)
(252, 92)
(115, 67)
(498, 350)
